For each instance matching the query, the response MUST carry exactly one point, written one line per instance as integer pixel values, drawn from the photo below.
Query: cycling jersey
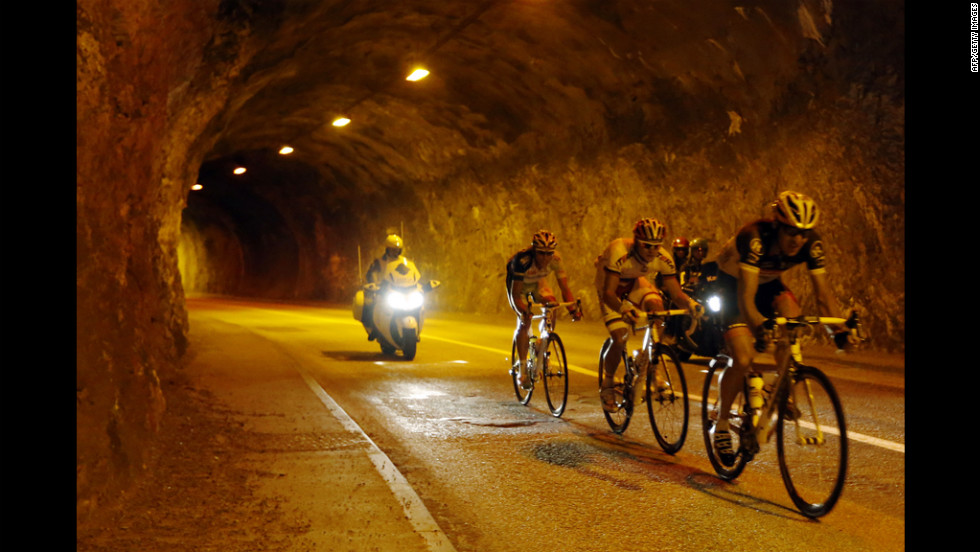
(522, 268)
(753, 249)
(620, 258)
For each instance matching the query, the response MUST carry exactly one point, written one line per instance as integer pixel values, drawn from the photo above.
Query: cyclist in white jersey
(625, 272)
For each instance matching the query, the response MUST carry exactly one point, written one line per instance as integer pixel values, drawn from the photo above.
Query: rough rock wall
(145, 92)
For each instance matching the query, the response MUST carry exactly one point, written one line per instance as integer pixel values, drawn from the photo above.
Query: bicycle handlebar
(851, 322)
(548, 306)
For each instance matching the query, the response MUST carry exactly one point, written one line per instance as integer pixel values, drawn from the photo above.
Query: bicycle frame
(786, 331)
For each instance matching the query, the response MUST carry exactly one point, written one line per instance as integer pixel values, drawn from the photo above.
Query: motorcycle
(396, 307)
(708, 336)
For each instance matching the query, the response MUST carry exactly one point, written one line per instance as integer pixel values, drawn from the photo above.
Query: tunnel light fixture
(285, 150)
(340, 121)
(239, 170)
(417, 75)
(197, 187)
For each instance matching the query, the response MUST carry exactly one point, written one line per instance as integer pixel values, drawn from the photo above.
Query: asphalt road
(475, 470)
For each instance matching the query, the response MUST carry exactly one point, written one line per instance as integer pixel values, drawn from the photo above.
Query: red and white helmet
(649, 230)
(796, 210)
(544, 240)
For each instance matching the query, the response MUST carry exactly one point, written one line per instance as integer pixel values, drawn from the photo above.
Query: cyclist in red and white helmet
(624, 279)
(527, 272)
(750, 268)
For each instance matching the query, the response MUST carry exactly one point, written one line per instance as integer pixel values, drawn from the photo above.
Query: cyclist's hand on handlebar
(576, 313)
(841, 339)
(697, 309)
(630, 314)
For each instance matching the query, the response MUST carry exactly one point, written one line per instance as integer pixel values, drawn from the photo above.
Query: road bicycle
(666, 389)
(799, 405)
(546, 358)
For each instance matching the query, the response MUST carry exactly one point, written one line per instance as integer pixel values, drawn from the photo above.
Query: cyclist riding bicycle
(750, 265)
(527, 272)
(625, 275)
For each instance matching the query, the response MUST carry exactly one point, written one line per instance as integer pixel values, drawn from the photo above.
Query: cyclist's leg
(619, 333)
(523, 324)
(785, 304)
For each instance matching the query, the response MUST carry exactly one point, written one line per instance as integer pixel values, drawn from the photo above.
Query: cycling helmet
(700, 243)
(681, 248)
(544, 240)
(649, 230)
(796, 210)
(393, 242)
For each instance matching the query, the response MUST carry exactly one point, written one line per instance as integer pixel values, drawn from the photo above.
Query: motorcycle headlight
(714, 303)
(404, 300)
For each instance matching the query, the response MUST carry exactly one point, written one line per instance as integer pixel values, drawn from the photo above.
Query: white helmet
(649, 230)
(796, 210)
(544, 240)
(393, 241)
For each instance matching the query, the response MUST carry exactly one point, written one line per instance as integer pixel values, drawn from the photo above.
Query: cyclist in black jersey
(750, 265)
(527, 272)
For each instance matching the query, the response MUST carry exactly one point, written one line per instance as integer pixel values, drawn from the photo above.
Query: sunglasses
(545, 253)
(793, 231)
(647, 245)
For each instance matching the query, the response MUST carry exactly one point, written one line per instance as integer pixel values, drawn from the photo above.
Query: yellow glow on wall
(340, 121)
(417, 75)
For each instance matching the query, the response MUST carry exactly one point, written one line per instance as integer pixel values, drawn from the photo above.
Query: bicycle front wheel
(666, 397)
(619, 418)
(555, 374)
(710, 410)
(812, 442)
(523, 396)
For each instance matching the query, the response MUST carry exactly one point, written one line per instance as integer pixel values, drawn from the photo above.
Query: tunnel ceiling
(521, 77)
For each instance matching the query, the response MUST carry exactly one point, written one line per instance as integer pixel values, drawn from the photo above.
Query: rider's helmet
(700, 244)
(649, 230)
(681, 248)
(796, 210)
(393, 244)
(544, 241)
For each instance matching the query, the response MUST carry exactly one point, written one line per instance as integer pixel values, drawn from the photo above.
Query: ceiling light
(340, 121)
(417, 75)
(197, 187)
(286, 150)
(239, 170)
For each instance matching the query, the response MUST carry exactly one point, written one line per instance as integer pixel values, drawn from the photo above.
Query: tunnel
(575, 116)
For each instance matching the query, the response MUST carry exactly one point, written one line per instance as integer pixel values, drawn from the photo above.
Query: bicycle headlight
(407, 300)
(714, 303)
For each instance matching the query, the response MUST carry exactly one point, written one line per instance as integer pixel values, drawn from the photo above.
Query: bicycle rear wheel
(619, 419)
(666, 397)
(555, 375)
(710, 405)
(523, 396)
(812, 442)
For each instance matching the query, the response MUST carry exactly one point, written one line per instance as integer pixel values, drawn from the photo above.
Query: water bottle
(755, 391)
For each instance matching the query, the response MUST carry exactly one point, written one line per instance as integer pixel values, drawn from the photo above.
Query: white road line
(415, 509)
(860, 437)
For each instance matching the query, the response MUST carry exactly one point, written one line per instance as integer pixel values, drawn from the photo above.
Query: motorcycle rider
(750, 267)
(691, 270)
(625, 274)
(393, 250)
(681, 250)
(527, 272)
